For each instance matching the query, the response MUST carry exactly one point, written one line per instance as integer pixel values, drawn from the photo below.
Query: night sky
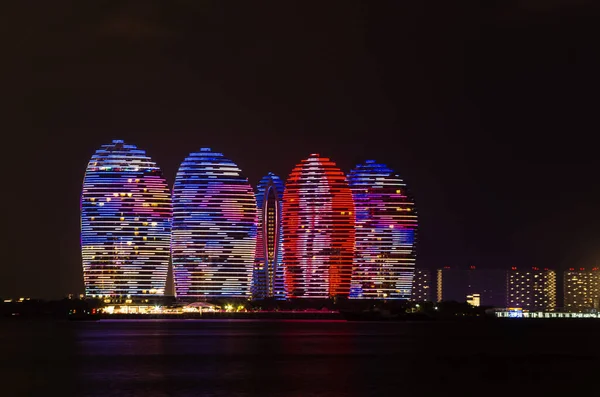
(489, 113)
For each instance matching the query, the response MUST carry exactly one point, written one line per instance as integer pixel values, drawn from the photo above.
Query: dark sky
(490, 113)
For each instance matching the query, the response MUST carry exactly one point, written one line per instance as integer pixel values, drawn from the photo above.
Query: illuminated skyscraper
(318, 230)
(268, 270)
(582, 290)
(214, 228)
(421, 288)
(125, 223)
(532, 290)
(386, 229)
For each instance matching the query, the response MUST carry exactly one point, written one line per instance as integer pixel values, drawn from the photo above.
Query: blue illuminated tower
(386, 230)
(214, 228)
(125, 223)
(268, 279)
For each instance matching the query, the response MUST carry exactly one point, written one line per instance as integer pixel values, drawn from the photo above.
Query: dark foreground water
(298, 358)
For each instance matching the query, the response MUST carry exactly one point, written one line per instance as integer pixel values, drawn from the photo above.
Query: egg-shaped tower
(386, 230)
(318, 230)
(268, 281)
(214, 228)
(125, 223)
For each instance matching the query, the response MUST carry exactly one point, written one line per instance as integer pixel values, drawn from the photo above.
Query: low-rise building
(532, 289)
(581, 290)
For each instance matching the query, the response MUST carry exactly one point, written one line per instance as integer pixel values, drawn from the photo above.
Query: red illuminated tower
(318, 230)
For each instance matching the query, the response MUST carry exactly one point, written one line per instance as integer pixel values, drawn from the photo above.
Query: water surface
(236, 358)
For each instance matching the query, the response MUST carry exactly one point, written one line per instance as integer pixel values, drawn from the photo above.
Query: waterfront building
(458, 284)
(268, 279)
(533, 290)
(318, 230)
(581, 290)
(214, 228)
(386, 229)
(421, 286)
(125, 223)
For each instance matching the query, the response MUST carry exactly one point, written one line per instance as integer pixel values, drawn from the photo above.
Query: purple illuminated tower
(386, 230)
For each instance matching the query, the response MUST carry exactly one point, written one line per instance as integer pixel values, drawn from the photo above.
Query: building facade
(318, 230)
(485, 286)
(268, 278)
(581, 290)
(532, 289)
(214, 228)
(422, 290)
(125, 223)
(386, 230)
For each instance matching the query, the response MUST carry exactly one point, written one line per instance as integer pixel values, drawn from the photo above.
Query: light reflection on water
(292, 358)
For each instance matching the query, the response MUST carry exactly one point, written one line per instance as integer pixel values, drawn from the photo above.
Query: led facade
(532, 290)
(318, 230)
(386, 229)
(267, 281)
(214, 228)
(582, 290)
(125, 223)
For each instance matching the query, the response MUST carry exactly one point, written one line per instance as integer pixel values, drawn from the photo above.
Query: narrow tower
(268, 269)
